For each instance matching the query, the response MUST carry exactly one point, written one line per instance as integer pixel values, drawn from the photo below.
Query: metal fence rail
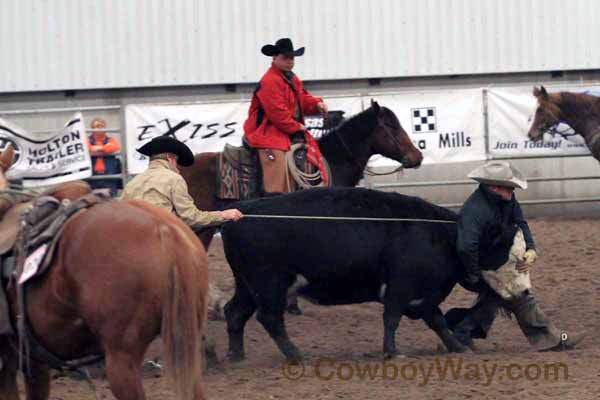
(466, 182)
(568, 200)
(122, 155)
(471, 182)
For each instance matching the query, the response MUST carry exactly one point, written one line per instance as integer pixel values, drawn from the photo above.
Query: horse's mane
(360, 122)
(576, 103)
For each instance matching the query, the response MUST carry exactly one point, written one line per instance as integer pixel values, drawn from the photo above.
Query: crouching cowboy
(497, 249)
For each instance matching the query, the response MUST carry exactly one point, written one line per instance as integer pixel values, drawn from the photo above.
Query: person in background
(104, 161)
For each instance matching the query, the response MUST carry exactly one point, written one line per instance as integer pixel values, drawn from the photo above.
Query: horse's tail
(184, 314)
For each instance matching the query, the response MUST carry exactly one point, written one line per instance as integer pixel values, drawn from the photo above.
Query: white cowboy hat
(499, 173)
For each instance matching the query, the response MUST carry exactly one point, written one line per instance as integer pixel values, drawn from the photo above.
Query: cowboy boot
(539, 330)
(475, 322)
(292, 305)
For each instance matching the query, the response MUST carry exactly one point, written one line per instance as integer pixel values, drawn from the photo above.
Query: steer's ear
(375, 106)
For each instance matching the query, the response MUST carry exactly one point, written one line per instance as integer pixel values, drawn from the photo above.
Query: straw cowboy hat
(282, 46)
(499, 173)
(168, 144)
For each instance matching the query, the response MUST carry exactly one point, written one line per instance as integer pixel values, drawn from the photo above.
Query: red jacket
(271, 115)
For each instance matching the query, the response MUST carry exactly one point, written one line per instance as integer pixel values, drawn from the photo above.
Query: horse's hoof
(294, 309)
(235, 357)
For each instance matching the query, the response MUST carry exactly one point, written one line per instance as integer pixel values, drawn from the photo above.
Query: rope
(369, 171)
(303, 179)
(436, 221)
(20, 191)
(85, 374)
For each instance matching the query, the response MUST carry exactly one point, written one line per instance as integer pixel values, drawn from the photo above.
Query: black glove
(297, 137)
(472, 278)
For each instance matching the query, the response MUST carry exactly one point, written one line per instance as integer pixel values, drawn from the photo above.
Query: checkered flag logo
(424, 120)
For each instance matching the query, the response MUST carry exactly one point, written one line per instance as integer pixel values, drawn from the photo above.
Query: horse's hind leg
(123, 369)
(237, 312)
(436, 321)
(37, 382)
(8, 372)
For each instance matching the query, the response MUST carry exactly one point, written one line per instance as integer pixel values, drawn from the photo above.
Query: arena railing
(115, 132)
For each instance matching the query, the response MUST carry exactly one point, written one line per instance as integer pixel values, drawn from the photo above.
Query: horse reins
(367, 170)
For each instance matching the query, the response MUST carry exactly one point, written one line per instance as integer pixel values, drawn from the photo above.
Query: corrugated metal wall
(74, 44)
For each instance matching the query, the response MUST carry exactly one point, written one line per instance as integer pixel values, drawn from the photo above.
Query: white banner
(510, 115)
(446, 126)
(48, 159)
(203, 127)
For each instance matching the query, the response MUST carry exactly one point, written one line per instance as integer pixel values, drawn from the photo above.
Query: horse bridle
(368, 171)
(552, 129)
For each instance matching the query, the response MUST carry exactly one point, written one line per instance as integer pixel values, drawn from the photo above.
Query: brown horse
(580, 111)
(124, 272)
(346, 148)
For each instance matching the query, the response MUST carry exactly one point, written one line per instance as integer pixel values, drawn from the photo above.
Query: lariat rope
(303, 179)
(18, 190)
(314, 217)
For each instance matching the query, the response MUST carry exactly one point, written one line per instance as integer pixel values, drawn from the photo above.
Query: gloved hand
(529, 259)
(297, 137)
(472, 278)
(530, 256)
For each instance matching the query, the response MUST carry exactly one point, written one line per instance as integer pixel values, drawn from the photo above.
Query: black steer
(410, 267)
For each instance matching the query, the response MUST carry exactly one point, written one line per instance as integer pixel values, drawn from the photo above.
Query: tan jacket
(165, 188)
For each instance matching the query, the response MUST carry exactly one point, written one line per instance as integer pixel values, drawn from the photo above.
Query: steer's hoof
(459, 348)
(294, 357)
(462, 349)
(388, 355)
(234, 356)
(294, 309)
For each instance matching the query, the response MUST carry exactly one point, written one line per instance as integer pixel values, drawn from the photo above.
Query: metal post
(124, 151)
(486, 124)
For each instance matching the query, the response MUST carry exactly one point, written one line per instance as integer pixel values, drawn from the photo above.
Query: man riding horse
(276, 116)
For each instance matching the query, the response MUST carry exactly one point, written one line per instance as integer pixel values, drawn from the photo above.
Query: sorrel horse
(580, 111)
(124, 273)
(347, 148)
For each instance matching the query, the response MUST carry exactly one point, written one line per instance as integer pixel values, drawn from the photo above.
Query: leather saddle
(238, 173)
(10, 222)
(26, 226)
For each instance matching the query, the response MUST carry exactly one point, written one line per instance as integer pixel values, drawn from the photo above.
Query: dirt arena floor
(343, 344)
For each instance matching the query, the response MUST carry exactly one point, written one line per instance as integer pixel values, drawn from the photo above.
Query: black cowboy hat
(282, 46)
(168, 144)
